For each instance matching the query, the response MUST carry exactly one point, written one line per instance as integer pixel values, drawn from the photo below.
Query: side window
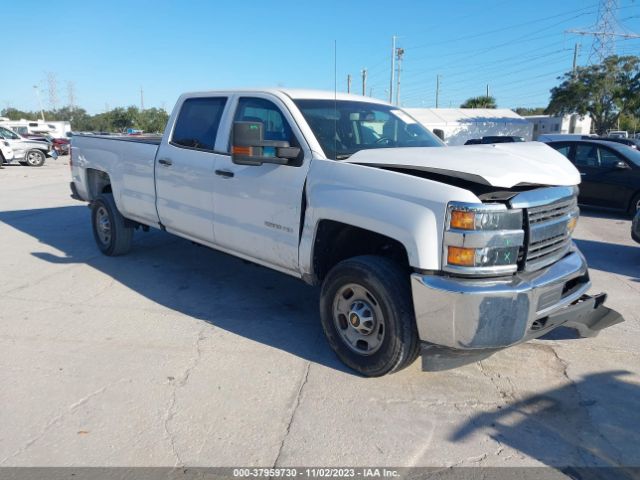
(276, 126)
(586, 155)
(198, 122)
(608, 159)
(564, 149)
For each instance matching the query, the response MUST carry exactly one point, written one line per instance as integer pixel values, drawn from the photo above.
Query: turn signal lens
(462, 220)
(465, 257)
(246, 151)
(571, 225)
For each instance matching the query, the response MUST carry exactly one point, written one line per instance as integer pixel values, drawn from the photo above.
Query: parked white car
(26, 151)
(6, 152)
(455, 252)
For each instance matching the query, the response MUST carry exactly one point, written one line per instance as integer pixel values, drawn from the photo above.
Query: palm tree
(479, 102)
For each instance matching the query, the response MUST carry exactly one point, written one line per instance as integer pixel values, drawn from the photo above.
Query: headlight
(482, 239)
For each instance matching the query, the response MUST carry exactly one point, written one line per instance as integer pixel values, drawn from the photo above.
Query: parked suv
(26, 151)
(610, 173)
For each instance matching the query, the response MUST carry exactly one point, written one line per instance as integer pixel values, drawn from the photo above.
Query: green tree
(529, 111)
(152, 120)
(604, 91)
(482, 101)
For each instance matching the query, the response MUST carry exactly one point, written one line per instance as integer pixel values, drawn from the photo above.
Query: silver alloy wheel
(35, 157)
(358, 319)
(637, 206)
(103, 225)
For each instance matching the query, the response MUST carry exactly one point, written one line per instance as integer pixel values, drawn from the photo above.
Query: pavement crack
(180, 383)
(57, 419)
(296, 404)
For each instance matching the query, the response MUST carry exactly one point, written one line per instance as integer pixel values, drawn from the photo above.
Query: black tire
(34, 158)
(634, 206)
(389, 286)
(110, 230)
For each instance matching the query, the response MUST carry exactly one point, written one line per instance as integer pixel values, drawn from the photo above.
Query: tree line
(609, 92)
(151, 120)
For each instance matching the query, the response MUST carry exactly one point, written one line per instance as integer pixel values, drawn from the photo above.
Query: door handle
(165, 161)
(224, 173)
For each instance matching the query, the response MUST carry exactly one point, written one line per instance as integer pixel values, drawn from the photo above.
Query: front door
(258, 208)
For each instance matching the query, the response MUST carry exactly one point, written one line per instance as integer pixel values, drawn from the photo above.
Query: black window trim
(197, 149)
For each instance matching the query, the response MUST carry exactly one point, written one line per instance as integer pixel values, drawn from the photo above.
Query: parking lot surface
(179, 355)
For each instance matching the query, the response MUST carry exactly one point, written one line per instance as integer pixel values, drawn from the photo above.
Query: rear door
(185, 166)
(258, 208)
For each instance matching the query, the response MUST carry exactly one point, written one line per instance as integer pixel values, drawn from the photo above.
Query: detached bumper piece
(462, 321)
(588, 316)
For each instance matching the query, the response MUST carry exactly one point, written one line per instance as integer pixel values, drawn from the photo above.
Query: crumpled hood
(500, 165)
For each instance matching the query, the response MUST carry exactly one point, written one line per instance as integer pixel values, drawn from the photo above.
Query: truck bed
(150, 139)
(129, 160)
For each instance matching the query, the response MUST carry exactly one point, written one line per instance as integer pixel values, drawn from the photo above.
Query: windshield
(345, 127)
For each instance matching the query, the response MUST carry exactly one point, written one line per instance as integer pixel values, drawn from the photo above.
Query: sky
(108, 51)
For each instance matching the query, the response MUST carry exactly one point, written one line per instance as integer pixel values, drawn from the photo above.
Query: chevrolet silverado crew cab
(452, 252)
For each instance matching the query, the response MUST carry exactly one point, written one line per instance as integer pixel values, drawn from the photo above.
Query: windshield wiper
(343, 156)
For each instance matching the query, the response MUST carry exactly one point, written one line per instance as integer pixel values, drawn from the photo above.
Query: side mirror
(439, 133)
(620, 165)
(248, 146)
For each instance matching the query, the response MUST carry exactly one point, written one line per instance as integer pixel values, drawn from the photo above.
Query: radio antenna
(335, 99)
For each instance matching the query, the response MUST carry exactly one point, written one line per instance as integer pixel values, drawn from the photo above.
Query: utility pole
(487, 90)
(393, 68)
(364, 82)
(141, 100)
(35, 87)
(437, 90)
(400, 55)
(576, 49)
(349, 83)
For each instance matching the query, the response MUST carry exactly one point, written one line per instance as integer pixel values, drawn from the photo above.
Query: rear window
(198, 122)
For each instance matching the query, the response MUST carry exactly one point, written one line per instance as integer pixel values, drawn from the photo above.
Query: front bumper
(472, 318)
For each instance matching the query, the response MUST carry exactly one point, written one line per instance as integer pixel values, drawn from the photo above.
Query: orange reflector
(571, 225)
(463, 220)
(241, 151)
(465, 257)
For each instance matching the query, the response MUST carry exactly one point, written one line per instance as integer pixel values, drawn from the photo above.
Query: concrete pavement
(179, 355)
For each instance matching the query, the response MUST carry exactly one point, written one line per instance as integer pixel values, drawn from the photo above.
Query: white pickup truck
(454, 252)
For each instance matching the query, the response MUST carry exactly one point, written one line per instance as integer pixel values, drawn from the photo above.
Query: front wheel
(367, 315)
(110, 230)
(35, 158)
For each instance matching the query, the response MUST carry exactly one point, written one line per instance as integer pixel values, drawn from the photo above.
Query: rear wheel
(34, 158)
(367, 315)
(110, 230)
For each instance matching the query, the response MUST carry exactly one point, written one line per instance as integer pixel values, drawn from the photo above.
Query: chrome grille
(548, 236)
(547, 215)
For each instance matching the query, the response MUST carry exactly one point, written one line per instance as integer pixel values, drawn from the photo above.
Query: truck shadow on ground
(237, 296)
(612, 257)
(592, 423)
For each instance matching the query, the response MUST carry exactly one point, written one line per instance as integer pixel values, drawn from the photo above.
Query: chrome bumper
(479, 315)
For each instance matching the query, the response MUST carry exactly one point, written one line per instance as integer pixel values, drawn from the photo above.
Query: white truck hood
(500, 165)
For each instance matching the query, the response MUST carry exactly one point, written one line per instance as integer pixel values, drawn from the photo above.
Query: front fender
(401, 206)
